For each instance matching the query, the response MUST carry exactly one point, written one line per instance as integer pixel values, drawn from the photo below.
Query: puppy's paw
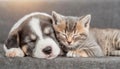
(14, 52)
(72, 54)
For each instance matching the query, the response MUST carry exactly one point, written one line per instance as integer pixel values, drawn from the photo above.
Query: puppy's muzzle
(46, 48)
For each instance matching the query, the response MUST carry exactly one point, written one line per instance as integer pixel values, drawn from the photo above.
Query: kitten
(77, 39)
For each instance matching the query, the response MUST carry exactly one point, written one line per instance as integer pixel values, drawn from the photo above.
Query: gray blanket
(58, 63)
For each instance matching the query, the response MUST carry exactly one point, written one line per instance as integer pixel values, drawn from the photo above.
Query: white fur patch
(35, 27)
(41, 44)
(19, 22)
(13, 52)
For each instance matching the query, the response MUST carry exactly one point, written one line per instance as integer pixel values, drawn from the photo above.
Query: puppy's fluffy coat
(33, 36)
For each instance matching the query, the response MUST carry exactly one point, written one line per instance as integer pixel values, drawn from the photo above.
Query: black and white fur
(33, 36)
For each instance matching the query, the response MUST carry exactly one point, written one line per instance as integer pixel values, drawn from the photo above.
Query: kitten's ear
(85, 20)
(56, 17)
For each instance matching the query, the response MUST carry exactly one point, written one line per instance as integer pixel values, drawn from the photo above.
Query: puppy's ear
(46, 18)
(12, 41)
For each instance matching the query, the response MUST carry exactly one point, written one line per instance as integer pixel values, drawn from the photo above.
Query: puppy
(32, 36)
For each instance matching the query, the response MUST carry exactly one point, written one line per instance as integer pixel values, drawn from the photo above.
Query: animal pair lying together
(47, 36)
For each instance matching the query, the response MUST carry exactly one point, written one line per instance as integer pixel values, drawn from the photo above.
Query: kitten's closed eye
(76, 35)
(83, 36)
(80, 36)
(63, 35)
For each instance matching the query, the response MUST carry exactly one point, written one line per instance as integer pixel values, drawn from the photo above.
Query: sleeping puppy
(32, 36)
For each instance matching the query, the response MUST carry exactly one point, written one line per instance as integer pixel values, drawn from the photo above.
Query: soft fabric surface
(58, 63)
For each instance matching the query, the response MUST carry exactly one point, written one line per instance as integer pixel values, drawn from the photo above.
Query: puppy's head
(33, 34)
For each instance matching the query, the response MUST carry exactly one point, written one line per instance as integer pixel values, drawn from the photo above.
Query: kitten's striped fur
(78, 40)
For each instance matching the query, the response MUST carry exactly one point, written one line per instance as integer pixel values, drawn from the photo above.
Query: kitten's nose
(47, 50)
(69, 42)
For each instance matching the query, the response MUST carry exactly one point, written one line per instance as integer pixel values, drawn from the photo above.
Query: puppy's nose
(47, 50)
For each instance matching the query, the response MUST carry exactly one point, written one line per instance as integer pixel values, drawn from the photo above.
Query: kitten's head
(71, 31)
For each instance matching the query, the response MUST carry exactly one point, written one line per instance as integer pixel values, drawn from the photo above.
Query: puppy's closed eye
(33, 37)
(47, 30)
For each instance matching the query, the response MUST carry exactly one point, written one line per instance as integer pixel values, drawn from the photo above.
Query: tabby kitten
(78, 40)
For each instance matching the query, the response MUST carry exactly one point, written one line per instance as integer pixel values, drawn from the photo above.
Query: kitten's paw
(14, 52)
(77, 53)
(72, 54)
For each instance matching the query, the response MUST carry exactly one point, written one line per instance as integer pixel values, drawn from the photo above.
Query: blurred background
(105, 13)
